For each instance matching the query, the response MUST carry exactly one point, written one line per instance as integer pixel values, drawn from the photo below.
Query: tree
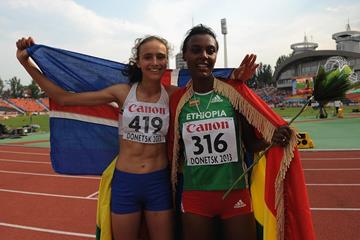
(6, 94)
(280, 60)
(34, 90)
(1, 87)
(16, 89)
(252, 82)
(264, 75)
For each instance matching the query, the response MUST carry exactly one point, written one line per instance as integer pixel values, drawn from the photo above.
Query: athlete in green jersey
(211, 140)
(213, 154)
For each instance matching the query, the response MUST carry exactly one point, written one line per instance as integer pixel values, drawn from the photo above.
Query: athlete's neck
(203, 85)
(148, 89)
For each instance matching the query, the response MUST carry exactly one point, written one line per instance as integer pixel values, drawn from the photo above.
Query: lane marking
(330, 159)
(93, 194)
(331, 169)
(329, 150)
(47, 230)
(26, 153)
(46, 194)
(21, 161)
(334, 184)
(49, 175)
(335, 209)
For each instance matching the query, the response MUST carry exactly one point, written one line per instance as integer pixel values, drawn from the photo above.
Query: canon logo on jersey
(203, 127)
(146, 109)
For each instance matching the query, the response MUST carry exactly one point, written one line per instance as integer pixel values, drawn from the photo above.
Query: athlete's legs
(240, 227)
(125, 226)
(160, 224)
(197, 227)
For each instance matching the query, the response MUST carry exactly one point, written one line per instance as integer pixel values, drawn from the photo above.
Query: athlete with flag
(141, 177)
(212, 124)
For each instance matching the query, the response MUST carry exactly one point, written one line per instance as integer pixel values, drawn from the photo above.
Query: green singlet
(212, 143)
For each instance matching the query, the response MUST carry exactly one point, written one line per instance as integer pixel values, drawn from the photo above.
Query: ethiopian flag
(279, 195)
(295, 218)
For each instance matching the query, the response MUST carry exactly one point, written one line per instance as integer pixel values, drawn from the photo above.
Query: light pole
(224, 32)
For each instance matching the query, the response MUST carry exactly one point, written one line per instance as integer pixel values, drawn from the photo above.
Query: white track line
(22, 161)
(93, 194)
(46, 194)
(331, 169)
(329, 159)
(334, 184)
(27, 153)
(335, 209)
(329, 150)
(49, 175)
(47, 230)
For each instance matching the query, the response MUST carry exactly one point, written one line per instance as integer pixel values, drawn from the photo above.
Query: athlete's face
(152, 60)
(200, 55)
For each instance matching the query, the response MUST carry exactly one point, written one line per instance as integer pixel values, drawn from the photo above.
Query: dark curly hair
(133, 72)
(198, 30)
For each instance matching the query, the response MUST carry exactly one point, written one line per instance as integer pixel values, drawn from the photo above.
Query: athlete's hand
(282, 136)
(21, 45)
(246, 69)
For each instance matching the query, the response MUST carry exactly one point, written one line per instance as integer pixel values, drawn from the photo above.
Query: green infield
(20, 121)
(330, 133)
(335, 133)
(30, 140)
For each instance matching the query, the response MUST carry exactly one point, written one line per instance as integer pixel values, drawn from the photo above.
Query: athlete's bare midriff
(137, 157)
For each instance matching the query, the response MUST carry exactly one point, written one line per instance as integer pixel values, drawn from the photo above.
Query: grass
(16, 122)
(287, 113)
(338, 133)
(309, 112)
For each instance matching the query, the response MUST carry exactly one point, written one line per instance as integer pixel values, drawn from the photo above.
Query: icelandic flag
(84, 140)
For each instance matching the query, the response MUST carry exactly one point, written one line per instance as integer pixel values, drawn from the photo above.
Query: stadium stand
(27, 104)
(44, 102)
(272, 95)
(7, 111)
(4, 105)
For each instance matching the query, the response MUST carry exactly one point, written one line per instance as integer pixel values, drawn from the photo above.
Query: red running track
(333, 183)
(37, 203)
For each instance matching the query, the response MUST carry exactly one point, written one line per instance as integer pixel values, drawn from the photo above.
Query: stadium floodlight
(223, 26)
(224, 32)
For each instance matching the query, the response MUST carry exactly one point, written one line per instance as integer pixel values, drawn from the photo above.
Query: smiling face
(152, 60)
(200, 55)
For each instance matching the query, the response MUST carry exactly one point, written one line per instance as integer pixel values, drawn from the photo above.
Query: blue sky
(108, 28)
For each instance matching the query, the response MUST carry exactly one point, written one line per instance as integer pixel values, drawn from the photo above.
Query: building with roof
(179, 61)
(305, 59)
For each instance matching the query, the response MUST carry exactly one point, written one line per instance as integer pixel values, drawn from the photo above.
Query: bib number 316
(210, 141)
(219, 145)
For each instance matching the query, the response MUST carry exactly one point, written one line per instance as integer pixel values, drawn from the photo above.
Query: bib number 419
(155, 124)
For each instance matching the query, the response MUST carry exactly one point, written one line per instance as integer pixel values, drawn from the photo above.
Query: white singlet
(142, 121)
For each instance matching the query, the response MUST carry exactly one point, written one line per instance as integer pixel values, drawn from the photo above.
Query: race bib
(210, 141)
(145, 123)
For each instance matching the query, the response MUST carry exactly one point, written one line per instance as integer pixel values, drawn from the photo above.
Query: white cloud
(265, 28)
(332, 9)
(272, 38)
(63, 24)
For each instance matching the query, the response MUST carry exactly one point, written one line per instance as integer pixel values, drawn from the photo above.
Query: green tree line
(12, 88)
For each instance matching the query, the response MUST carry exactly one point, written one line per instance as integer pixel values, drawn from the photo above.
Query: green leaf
(346, 69)
(331, 86)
